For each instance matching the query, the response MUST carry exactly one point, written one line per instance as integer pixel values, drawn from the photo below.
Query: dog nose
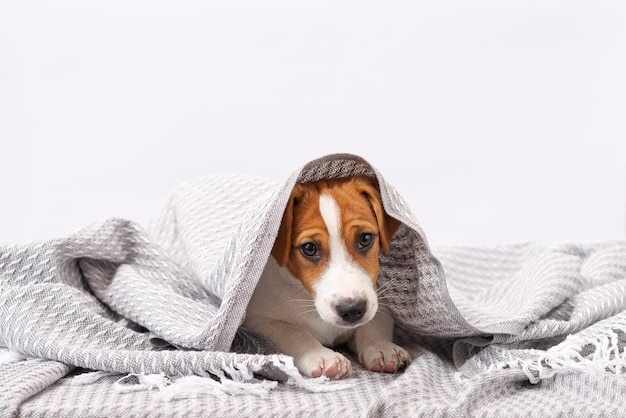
(351, 310)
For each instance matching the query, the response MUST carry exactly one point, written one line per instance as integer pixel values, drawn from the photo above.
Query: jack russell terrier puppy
(319, 289)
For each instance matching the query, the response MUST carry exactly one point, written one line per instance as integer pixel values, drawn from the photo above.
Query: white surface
(515, 111)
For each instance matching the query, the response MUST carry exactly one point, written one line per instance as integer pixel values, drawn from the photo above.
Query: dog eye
(365, 240)
(309, 250)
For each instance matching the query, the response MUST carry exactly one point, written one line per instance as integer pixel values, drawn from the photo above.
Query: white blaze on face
(343, 278)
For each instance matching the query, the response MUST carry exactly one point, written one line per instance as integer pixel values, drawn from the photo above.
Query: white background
(498, 121)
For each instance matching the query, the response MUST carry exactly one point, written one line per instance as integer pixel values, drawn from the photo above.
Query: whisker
(384, 305)
(381, 313)
(382, 289)
(385, 284)
(306, 312)
(308, 301)
(306, 308)
(303, 303)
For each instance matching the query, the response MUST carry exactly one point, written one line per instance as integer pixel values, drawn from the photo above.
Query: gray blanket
(122, 319)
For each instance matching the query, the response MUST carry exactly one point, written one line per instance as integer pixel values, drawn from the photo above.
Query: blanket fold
(169, 297)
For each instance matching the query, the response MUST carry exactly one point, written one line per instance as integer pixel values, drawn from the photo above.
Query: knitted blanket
(122, 319)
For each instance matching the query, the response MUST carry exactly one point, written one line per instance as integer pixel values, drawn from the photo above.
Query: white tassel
(566, 358)
(192, 386)
(189, 387)
(232, 379)
(146, 382)
(8, 356)
(460, 379)
(90, 377)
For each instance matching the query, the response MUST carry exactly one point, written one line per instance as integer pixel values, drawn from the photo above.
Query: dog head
(330, 238)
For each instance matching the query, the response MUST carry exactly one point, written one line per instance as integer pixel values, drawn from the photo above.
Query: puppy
(319, 289)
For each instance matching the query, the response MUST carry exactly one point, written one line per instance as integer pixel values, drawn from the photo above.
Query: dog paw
(385, 357)
(324, 362)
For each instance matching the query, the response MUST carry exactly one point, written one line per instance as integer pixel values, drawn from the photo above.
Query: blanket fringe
(223, 381)
(90, 377)
(8, 356)
(606, 357)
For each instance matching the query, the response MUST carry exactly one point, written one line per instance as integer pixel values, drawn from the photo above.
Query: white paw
(385, 357)
(324, 362)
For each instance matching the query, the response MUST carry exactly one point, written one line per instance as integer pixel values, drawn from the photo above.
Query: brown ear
(282, 245)
(387, 225)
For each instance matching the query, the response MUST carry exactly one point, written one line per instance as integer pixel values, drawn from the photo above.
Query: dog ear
(282, 245)
(387, 225)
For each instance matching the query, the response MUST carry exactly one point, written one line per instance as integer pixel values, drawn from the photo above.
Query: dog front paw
(324, 362)
(385, 357)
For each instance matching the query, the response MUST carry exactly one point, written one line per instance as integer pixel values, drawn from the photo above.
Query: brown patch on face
(363, 221)
(358, 221)
(303, 224)
(387, 225)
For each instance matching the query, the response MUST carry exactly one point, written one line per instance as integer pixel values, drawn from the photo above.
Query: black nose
(351, 310)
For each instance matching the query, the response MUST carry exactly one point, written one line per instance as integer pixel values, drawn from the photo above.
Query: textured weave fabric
(535, 329)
